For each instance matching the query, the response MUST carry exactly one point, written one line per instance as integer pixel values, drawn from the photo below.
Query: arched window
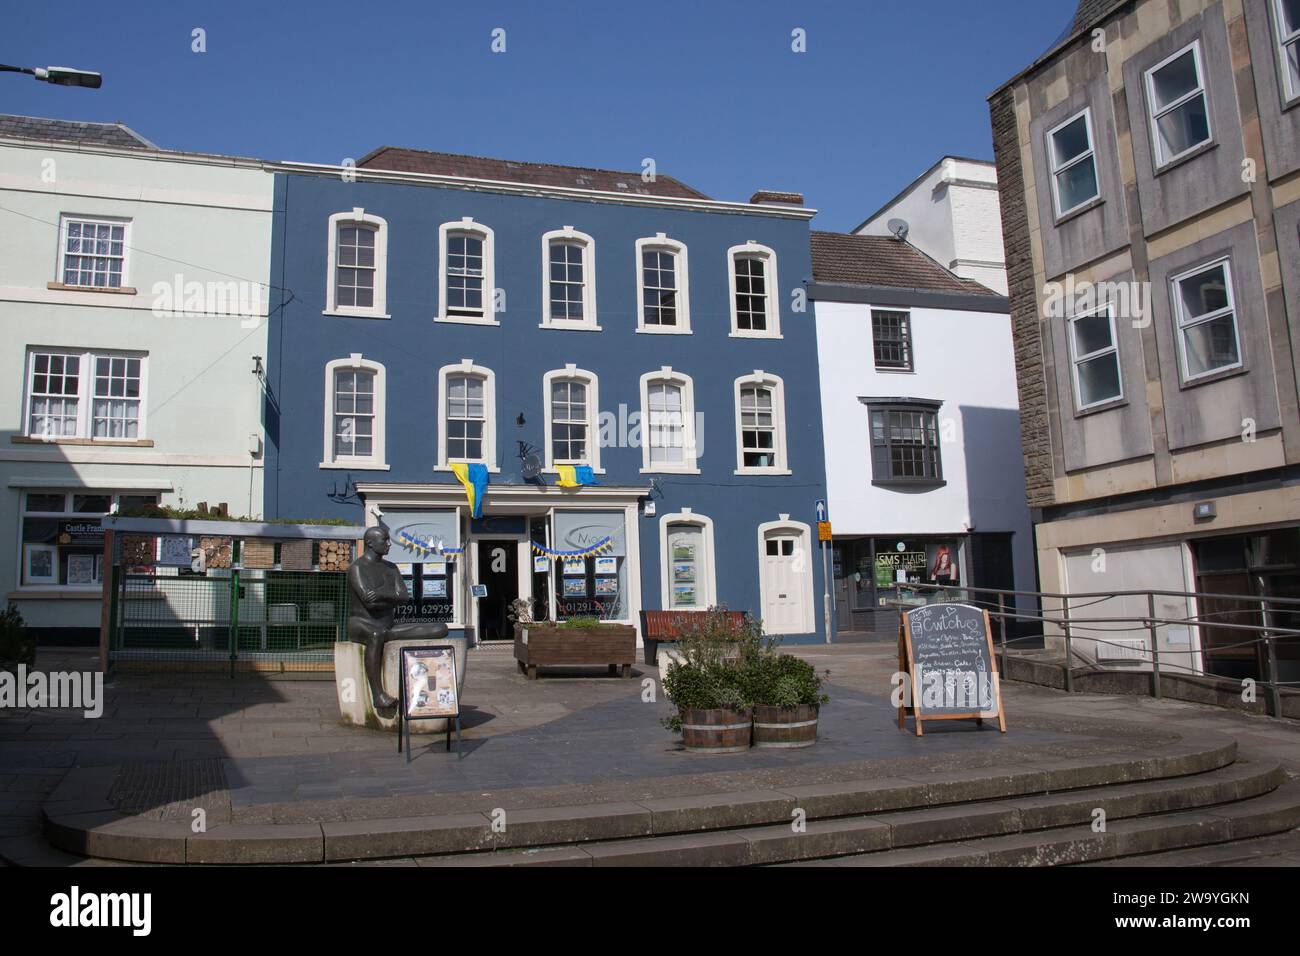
(760, 425)
(668, 433)
(466, 415)
(571, 397)
(662, 285)
(354, 414)
(755, 309)
(358, 265)
(568, 280)
(466, 273)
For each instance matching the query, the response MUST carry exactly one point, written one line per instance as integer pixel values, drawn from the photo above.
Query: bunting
(601, 546)
(425, 546)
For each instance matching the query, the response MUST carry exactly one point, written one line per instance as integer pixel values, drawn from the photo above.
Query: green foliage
(193, 514)
(782, 680)
(15, 644)
(579, 624)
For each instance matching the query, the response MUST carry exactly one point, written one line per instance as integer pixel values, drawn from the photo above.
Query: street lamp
(58, 75)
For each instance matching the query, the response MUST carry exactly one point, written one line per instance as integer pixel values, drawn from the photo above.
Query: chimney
(767, 196)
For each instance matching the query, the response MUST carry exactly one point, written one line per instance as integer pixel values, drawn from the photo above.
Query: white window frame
(755, 250)
(1056, 171)
(378, 460)
(571, 372)
(708, 585)
(467, 367)
(485, 234)
(570, 235)
(661, 243)
(1290, 80)
(1182, 323)
(1153, 116)
(804, 534)
(69, 217)
(774, 382)
(689, 464)
(86, 359)
(1076, 359)
(358, 217)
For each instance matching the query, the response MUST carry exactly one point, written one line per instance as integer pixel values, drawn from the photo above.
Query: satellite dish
(899, 228)
(532, 466)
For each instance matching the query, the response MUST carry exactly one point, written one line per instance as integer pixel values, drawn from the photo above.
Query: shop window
(687, 562)
(62, 539)
(592, 585)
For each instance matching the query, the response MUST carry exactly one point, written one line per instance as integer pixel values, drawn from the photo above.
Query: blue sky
(710, 89)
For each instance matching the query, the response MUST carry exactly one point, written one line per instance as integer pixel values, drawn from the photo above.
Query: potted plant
(712, 714)
(579, 641)
(787, 696)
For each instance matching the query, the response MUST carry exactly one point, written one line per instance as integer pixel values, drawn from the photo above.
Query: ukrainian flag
(475, 479)
(575, 476)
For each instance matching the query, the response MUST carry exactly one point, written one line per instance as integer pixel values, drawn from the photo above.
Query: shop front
(571, 553)
(873, 573)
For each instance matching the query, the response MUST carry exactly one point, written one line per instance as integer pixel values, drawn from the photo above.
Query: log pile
(216, 551)
(335, 555)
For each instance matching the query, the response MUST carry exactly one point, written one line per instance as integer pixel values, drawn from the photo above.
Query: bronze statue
(377, 589)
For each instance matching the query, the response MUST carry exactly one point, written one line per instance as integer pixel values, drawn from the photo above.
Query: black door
(498, 569)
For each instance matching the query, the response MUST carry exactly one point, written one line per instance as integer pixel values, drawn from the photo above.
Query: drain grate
(172, 791)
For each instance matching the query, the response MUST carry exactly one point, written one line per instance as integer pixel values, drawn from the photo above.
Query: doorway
(498, 568)
(786, 581)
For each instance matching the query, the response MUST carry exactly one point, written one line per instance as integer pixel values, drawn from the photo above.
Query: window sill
(355, 314)
(670, 471)
(1078, 211)
(763, 471)
(120, 290)
(1101, 407)
(33, 592)
(353, 466)
(756, 335)
(575, 327)
(904, 483)
(1186, 157)
(88, 442)
(492, 469)
(651, 330)
(1215, 376)
(895, 371)
(464, 320)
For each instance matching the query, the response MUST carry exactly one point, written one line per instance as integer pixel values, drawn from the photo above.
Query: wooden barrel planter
(785, 728)
(716, 731)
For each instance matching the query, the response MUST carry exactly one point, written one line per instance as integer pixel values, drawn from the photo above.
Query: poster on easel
(946, 653)
(428, 691)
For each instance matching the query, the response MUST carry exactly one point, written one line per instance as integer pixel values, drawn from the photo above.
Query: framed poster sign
(428, 689)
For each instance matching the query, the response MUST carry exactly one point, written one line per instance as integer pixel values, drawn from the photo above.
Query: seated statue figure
(377, 590)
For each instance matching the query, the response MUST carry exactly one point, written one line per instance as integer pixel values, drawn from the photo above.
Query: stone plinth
(350, 683)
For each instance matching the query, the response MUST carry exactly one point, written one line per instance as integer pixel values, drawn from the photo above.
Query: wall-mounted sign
(478, 590)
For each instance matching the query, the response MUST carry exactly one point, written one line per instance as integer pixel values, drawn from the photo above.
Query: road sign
(823, 514)
(823, 531)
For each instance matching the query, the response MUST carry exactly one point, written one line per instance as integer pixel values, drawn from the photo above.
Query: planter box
(716, 731)
(785, 729)
(545, 645)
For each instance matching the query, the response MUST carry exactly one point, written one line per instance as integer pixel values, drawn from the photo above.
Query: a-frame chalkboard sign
(946, 651)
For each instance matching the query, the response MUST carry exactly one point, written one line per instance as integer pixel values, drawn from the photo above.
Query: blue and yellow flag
(574, 476)
(475, 479)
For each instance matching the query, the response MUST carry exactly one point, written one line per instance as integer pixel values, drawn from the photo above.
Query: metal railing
(227, 619)
(1263, 637)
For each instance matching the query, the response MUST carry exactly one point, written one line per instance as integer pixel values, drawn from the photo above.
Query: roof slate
(433, 163)
(883, 261)
(71, 131)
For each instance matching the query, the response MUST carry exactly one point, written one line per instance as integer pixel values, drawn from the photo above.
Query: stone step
(1273, 813)
(78, 818)
(876, 833)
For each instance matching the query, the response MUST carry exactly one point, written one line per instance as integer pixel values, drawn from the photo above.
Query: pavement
(255, 750)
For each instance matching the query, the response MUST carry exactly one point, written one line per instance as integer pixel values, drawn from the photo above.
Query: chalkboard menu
(947, 652)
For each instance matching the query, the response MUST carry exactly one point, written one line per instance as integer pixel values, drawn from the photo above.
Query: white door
(785, 585)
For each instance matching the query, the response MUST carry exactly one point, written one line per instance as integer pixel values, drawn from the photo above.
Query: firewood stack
(335, 555)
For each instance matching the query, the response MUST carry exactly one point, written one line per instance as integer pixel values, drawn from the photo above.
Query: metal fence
(227, 620)
(1228, 636)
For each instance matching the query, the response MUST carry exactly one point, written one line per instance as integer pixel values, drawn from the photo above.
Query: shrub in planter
(712, 712)
(787, 695)
(16, 647)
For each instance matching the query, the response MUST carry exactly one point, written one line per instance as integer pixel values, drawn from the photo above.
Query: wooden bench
(665, 627)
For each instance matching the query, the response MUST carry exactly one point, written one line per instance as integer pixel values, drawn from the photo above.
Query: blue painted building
(438, 309)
